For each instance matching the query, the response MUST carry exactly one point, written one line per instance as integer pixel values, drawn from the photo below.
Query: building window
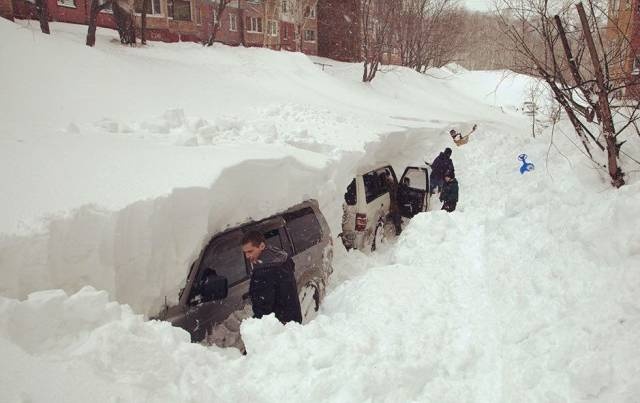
(108, 9)
(310, 12)
(636, 66)
(180, 10)
(272, 28)
(309, 35)
(254, 24)
(153, 8)
(233, 22)
(67, 3)
(285, 6)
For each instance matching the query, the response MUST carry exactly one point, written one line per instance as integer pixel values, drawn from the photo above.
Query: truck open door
(413, 191)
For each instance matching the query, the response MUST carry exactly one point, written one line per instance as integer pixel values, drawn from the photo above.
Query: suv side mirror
(214, 287)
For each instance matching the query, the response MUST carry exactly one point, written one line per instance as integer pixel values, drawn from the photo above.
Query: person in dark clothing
(449, 195)
(403, 194)
(273, 286)
(440, 165)
(394, 209)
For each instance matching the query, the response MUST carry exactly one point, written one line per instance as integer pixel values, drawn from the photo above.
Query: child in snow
(449, 195)
(456, 136)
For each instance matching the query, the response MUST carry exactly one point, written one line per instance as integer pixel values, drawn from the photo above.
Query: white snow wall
(142, 253)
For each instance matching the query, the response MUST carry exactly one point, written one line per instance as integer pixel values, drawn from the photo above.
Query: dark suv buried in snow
(215, 297)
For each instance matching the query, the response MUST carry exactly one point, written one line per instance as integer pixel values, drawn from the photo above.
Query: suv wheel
(378, 233)
(309, 301)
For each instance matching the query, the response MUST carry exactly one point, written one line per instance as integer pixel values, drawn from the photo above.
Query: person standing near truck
(449, 195)
(441, 164)
(273, 286)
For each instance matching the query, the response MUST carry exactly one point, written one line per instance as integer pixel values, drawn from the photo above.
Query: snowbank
(119, 186)
(498, 302)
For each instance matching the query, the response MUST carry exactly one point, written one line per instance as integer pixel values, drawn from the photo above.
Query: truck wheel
(309, 301)
(378, 234)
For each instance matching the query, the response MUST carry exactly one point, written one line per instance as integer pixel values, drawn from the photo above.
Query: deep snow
(120, 179)
(529, 292)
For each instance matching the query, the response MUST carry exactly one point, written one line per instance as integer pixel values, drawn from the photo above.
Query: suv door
(304, 232)
(224, 256)
(414, 197)
(377, 195)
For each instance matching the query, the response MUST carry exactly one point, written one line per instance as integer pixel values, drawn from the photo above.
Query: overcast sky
(478, 5)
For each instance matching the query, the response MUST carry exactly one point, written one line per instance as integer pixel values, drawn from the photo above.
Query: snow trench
(142, 253)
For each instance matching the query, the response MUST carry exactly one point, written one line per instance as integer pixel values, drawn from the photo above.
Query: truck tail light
(361, 222)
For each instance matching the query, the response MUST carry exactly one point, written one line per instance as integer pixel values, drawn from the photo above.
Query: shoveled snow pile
(529, 292)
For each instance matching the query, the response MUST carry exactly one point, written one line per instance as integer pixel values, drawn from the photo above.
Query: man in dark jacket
(449, 195)
(273, 286)
(440, 165)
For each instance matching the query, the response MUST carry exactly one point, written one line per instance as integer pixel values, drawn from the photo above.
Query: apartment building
(276, 24)
(623, 42)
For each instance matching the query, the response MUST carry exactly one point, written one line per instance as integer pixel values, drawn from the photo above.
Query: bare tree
(271, 11)
(580, 68)
(429, 33)
(43, 15)
(96, 7)
(125, 23)
(123, 15)
(219, 7)
(300, 12)
(146, 5)
(378, 19)
(485, 46)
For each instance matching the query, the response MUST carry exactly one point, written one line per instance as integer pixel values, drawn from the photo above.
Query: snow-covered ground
(119, 163)
(123, 162)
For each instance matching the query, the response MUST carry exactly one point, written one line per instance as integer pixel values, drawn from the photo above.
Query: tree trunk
(215, 25)
(143, 21)
(214, 33)
(559, 96)
(606, 122)
(93, 16)
(242, 28)
(365, 73)
(370, 69)
(125, 24)
(42, 7)
(118, 17)
(574, 70)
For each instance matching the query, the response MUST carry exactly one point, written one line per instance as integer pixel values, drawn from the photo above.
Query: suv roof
(363, 169)
(312, 203)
